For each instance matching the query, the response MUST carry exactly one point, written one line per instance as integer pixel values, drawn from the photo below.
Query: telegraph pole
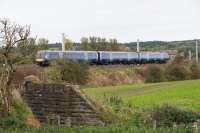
(63, 41)
(190, 55)
(138, 45)
(197, 52)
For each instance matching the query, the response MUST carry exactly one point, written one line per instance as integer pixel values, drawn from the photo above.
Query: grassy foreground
(140, 96)
(98, 129)
(143, 96)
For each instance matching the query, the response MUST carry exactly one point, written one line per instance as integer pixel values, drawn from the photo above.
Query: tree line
(93, 44)
(99, 44)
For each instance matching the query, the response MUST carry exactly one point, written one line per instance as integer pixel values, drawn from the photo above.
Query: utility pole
(138, 45)
(197, 52)
(63, 42)
(190, 55)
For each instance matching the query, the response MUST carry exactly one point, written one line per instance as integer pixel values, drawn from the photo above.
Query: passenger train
(102, 57)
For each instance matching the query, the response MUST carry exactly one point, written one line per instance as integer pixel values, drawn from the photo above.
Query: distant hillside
(162, 45)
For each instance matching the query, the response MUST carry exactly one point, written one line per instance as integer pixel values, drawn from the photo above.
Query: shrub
(177, 72)
(154, 73)
(53, 73)
(166, 115)
(17, 117)
(179, 59)
(195, 71)
(73, 72)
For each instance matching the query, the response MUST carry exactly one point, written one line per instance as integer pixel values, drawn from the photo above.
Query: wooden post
(195, 127)
(58, 118)
(68, 122)
(154, 124)
(174, 125)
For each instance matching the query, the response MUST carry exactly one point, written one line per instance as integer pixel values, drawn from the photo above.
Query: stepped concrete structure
(60, 104)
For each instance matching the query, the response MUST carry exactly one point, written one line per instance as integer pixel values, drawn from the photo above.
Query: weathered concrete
(60, 104)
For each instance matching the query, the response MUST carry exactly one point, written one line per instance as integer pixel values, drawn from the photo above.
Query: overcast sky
(125, 20)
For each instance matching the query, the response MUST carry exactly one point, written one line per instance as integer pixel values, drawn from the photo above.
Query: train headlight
(39, 60)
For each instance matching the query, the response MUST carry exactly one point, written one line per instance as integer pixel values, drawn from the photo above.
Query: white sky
(125, 20)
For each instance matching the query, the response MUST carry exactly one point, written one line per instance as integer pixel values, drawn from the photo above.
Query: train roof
(64, 51)
(158, 52)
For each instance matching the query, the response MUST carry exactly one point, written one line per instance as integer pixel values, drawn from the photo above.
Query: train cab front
(41, 62)
(41, 59)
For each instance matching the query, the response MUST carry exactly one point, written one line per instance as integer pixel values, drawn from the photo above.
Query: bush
(154, 73)
(195, 71)
(176, 72)
(73, 72)
(179, 59)
(53, 73)
(166, 115)
(17, 117)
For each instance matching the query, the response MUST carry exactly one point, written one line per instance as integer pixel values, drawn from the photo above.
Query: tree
(68, 44)
(99, 44)
(114, 45)
(93, 43)
(28, 47)
(42, 44)
(10, 35)
(85, 44)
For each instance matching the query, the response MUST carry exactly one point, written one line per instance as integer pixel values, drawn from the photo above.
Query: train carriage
(102, 57)
(133, 58)
(143, 57)
(119, 57)
(44, 57)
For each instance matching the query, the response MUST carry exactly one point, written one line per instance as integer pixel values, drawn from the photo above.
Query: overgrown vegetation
(113, 75)
(178, 69)
(18, 115)
(195, 71)
(167, 115)
(68, 71)
(176, 72)
(154, 73)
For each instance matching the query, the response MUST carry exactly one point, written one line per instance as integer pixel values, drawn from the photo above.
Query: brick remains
(60, 104)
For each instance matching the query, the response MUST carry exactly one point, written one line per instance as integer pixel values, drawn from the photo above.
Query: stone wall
(60, 104)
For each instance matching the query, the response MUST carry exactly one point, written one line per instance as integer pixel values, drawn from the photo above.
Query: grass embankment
(100, 76)
(97, 129)
(143, 96)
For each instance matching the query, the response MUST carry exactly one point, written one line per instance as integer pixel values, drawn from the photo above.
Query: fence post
(58, 120)
(154, 124)
(68, 122)
(195, 127)
(174, 125)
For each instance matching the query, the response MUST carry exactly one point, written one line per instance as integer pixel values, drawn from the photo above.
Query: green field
(142, 96)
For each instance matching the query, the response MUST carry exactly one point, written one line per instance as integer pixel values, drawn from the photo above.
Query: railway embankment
(60, 104)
